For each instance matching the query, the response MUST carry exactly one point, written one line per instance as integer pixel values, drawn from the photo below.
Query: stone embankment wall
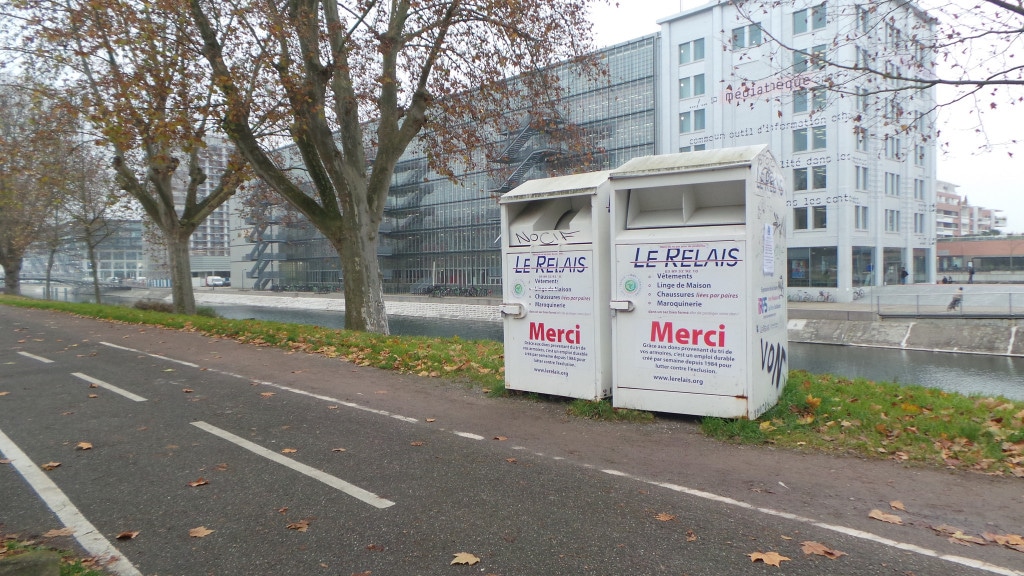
(975, 336)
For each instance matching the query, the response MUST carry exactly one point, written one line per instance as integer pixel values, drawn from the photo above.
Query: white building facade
(858, 155)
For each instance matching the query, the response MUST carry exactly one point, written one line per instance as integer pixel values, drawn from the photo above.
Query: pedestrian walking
(970, 272)
(903, 275)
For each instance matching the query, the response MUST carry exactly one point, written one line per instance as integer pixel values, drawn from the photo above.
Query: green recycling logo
(631, 285)
(518, 289)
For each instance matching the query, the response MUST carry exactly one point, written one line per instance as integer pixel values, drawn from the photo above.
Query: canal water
(964, 373)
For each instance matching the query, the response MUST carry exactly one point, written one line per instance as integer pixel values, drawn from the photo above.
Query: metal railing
(967, 303)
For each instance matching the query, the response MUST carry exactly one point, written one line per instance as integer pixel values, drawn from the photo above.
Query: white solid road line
(182, 362)
(110, 387)
(94, 543)
(332, 481)
(34, 357)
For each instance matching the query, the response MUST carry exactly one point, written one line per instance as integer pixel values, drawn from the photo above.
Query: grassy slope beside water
(816, 412)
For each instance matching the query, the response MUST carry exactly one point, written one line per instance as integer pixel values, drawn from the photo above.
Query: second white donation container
(698, 266)
(555, 291)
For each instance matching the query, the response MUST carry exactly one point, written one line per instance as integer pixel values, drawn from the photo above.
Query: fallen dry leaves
(127, 535)
(897, 505)
(84, 446)
(769, 558)
(811, 547)
(288, 451)
(200, 532)
(464, 558)
(198, 482)
(664, 517)
(50, 466)
(59, 532)
(300, 526)
(890, 518)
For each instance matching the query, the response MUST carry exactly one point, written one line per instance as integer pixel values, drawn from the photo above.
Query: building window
(746, 36)
(812, 266)
(813, 217)
(817, 19)
(860, 217)
(818, 139)
(691, 121)
(863, 19)
(818, 98)
(862, 177)
(800, 101)
(818, 56)
(862, 138)
(692, 51)
(919, 191)
(892, 220)
(694, 148)
(816, 176)
(799, 61)
(691, 86)
(893, 148)
(919, 223)
(919, 153)
(892, 184)
(863, 99)
(819, 178)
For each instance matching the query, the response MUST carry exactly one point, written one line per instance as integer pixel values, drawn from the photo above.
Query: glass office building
(439, 232)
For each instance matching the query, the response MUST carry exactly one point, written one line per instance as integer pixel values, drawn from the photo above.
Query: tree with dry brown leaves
(353, 84)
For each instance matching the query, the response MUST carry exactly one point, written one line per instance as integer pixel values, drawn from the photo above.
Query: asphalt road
(316, 466)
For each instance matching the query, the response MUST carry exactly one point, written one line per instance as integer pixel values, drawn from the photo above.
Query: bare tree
(144, 87)
(34, 136)
(361, 81)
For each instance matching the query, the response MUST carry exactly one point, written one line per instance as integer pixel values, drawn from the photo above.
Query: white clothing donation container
(556, 252)
(698, 266)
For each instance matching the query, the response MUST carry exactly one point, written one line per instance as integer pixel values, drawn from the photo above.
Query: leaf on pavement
(811, 547)
(94, 395)
(511, 460)
(50, 465)
(464, 558)
(691, 536)
(769, 558)
(59, 532)
(339, 449)
(1012, 541)
(890, 518)
(127, 535)
(168, 369)
(187, 390)
(431, 419)
(897, 505)
(200, 532)
(5, 460)
(501, 438)
(375, 548)
(417, 443)
(198, 482)
(266, 394)
(300, 526)
(959, 537)
(288, 450)
(84, 446)
(664, 517)
(5, 393)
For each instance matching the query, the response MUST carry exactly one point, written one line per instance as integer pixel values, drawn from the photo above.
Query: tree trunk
(12, 276)
(183, 298)
(95, 271)
(49, 273)
(364, 290)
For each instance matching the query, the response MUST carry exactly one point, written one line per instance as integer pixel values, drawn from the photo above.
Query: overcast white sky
(992, 179)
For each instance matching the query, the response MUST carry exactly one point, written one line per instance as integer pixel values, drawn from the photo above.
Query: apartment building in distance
(957, 217)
